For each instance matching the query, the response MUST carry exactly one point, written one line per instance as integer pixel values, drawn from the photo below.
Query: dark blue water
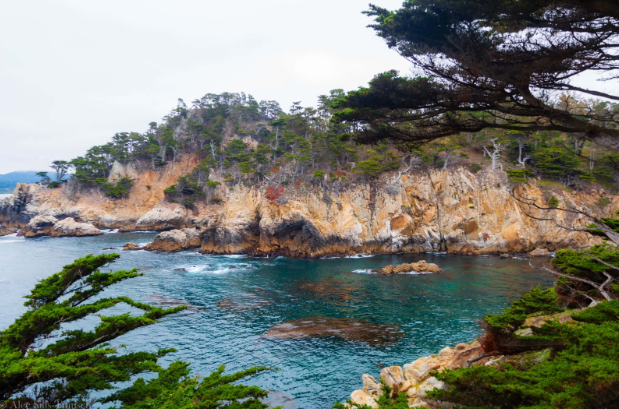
(433, 311)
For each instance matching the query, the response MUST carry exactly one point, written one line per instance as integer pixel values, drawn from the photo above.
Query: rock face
(414, 379)
(454, 211)
(50, 226)
(4, 230)
(539, 253)
(175, 240)
(419, 267)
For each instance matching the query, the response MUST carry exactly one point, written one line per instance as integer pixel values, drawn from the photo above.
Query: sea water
(432, 310)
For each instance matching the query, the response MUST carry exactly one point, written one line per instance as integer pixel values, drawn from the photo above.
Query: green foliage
(79, 361)
(582, 373)
(475, 167)
(216, 200)
(553, 202)
(604, 201)
(174, 389)
(170, 190)
(370, 168)
(518, 175)
(384, 401)
(319, 174)
(119, 189)
(535, 301)
(212, 183)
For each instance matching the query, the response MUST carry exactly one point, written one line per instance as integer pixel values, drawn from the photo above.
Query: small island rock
(419, 267)
(175, 240)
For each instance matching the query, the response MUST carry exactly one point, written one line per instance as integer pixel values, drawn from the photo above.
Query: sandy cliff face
(455, 211)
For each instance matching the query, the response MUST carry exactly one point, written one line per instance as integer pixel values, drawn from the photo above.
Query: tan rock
(419, 370)
(69, 227)
(419, 267)
(540, 253)
(175, 240)
(4, 230)
(430, 384)
(39, 226)
(370, 385)
(394, 377)
(361, 397)
(131, 247)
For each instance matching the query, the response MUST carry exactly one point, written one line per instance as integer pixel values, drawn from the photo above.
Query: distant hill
(8, 181)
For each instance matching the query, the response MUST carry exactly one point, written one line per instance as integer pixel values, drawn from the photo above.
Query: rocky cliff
(454, 211)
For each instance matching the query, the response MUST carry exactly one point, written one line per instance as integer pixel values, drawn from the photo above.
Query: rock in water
(4, 230)
(131, 247)
(419, 267)
(175, 240)
(50, 226)
(344, 328)
(69, 227)
(539, 252)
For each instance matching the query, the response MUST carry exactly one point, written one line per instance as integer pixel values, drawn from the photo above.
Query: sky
(75, 72)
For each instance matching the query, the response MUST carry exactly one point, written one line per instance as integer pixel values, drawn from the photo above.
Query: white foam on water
(109, 231)
(12, 238)
(360, 256)
(364, 271)
(234, 255)
(520, 258)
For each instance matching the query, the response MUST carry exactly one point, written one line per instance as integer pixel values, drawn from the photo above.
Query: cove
(236, 300)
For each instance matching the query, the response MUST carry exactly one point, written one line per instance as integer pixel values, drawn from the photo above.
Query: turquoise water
(433, 311)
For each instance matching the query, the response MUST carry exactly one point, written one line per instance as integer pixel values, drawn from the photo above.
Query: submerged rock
(327, 288)
(172, 302)
(344, 328)
(419, 267)
(225, 303)
(175, 240)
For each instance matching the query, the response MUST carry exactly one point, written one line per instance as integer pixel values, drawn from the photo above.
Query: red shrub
(274, 193)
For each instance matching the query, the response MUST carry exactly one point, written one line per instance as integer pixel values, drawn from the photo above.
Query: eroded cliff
(454, 211)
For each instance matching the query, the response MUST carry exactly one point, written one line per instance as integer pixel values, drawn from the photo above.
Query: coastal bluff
(454, 211)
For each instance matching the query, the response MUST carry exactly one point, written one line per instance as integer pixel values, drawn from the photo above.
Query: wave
(215, 269)
(364, 271)
(109, 231)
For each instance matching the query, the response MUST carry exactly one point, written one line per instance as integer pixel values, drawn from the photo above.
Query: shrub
(604, 201)
(273, 193)
(319, 174)
(370, 168)
(216, 200)
(119, 190)
(170, 190)
(212, 183)
(53, 185)
(553, 202)
(148, 187)
(475, 167)
(518, 175)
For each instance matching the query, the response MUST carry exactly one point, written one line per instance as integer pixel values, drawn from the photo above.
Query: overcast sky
(74, 72)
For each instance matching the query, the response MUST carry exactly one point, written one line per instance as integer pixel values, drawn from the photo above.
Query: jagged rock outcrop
(419, 267)
(50, 226)
(4, 230)
(176, 240)
(454, 211)
(414, 379)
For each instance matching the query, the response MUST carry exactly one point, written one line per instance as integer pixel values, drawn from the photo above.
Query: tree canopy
(489, 64)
